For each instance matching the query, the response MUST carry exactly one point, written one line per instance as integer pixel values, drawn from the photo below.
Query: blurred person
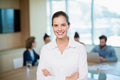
(63, 58)
(30, 54)
(106, 53)
(46, 38)
(76, 38)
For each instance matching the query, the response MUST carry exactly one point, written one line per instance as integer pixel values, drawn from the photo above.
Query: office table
(104, 71)
(19, 74)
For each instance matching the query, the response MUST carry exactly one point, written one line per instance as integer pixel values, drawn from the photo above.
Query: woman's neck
(30, 49)
(62, 41)
(62, 44)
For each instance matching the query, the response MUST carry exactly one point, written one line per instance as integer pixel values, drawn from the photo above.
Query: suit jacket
(27, 57)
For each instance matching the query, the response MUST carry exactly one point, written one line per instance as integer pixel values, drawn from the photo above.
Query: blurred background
(20, 19)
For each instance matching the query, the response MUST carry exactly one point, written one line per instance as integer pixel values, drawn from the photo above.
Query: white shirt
(73, 59)
(32, 54)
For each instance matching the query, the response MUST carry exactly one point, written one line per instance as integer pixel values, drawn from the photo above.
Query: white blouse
(73, 59)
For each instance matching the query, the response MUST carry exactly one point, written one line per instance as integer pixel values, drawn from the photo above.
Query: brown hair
(45, 36)
(103, 37)
(61, 13)
(29, 42)
(76, 35)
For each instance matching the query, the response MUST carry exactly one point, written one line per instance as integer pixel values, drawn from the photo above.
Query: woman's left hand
(46, 72)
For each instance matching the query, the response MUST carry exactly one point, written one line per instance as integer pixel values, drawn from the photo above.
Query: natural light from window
(90, 18)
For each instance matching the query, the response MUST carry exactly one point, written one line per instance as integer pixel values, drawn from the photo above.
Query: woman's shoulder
(49, 45)
(26, 51)
(76, 44)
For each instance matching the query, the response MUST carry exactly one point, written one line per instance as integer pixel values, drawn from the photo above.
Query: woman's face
(60, 27)
(33, 44)
(76, 39)
(47, 40)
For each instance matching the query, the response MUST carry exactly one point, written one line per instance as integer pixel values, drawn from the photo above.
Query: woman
(29, 54)
(46, 38)
(62, 59)
(76, 38)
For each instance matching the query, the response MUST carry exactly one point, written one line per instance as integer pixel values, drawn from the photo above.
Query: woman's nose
(59, 28)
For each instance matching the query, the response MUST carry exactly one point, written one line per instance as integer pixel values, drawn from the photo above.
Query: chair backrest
(18, 62)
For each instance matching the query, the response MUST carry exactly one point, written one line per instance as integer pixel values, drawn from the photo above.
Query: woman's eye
(55, 25)
(63, 25)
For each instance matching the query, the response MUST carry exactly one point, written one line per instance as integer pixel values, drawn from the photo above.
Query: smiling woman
(62, 59)
(60, 25)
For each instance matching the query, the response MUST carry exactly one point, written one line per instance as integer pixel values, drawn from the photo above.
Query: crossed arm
(74, 76)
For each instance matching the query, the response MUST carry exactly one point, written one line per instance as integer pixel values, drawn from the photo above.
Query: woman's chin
(60, 37)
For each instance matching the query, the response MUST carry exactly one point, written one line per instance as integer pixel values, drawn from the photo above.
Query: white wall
(6, 58)
(38, 20)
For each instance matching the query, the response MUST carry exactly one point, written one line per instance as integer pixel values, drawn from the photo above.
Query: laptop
(93, 57)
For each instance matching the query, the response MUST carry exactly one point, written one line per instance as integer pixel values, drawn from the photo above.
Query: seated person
(76, 38)
(30, 54)
(106, 53)
(46, 38)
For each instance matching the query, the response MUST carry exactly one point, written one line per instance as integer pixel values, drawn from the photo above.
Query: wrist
(67, 78)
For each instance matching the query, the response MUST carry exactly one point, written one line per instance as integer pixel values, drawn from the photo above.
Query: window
(80, 19)
(107, 21)
(52, 7)
(90, 18)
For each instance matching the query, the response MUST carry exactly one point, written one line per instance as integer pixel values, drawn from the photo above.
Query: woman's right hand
(74, 76)
(46, 72)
